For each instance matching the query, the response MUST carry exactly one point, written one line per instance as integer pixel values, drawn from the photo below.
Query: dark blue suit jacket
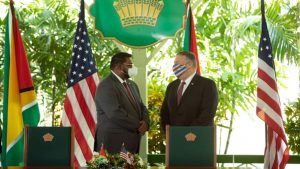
(197, 107)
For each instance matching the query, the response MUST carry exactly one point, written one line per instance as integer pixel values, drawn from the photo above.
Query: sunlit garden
(228, 35)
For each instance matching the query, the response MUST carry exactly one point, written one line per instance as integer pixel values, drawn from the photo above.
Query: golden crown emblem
(48, 137)
(138, 12)
(190, 137)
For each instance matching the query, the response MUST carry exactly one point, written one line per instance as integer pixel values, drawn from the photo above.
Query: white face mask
(133, 71)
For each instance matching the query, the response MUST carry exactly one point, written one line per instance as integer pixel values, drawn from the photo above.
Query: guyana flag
(19, 99)
(190, 43)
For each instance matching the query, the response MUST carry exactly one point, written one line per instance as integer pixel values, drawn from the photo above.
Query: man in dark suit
(121, 115)
(190, 100)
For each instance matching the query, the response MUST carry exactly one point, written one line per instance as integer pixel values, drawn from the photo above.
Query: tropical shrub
(155, 135)
(292, 125)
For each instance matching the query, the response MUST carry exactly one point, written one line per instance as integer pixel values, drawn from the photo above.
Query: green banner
(138, 23)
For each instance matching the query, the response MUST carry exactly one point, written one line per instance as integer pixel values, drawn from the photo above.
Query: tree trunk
(229, 132)
(232, 114)
(53, 96)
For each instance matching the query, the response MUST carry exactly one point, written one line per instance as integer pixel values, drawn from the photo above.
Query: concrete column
(140, 61)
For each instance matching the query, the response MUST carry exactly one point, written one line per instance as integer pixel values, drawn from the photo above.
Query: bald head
(189, 57)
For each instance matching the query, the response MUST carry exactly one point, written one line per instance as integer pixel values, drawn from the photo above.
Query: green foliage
(292, 125)
(116, 162)
(282, 26)
(155, 135)
(46, 34)
(48, 29)
(227, 35)
(2, 34)
(228, 55)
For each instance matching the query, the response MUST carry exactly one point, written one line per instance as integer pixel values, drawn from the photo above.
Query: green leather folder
(48, 146)
(191, 146)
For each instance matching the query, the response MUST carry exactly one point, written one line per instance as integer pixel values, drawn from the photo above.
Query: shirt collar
(118, 77)
(189, 79)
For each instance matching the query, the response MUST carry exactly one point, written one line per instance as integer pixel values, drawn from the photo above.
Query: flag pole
(262, 7)
(11, 3)
(263, 18)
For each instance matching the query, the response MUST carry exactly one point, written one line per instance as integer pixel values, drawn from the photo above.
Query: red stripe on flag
(193, 42)
(84, 108)
(76, 163)
(92, 85)
(270, 135)
(275, 163)
(77, 130)
(266, 78)
(261, 114)
(21, 59)
(268, 100)
(285, 158)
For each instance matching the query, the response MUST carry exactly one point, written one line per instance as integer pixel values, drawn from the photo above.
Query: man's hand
(143, 127)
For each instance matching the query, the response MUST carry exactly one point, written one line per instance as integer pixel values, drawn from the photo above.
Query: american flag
(268, 103)
(124, 155)
(79, 105)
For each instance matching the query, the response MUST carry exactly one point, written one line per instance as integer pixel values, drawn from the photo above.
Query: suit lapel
(187, 91)
(135, 95)
(119, 85)
(124, 92)
(173, 96)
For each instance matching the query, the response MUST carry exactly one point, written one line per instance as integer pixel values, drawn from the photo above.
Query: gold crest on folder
(138, 12)
(48, 137)
(191, 137)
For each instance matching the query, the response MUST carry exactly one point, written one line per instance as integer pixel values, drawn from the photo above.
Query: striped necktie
(128, 91)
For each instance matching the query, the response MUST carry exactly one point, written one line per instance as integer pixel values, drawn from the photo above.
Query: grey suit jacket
(197, 107)
(118, 117)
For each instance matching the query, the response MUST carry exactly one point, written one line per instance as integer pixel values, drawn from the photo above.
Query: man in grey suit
(190, 100)
(121, 115)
